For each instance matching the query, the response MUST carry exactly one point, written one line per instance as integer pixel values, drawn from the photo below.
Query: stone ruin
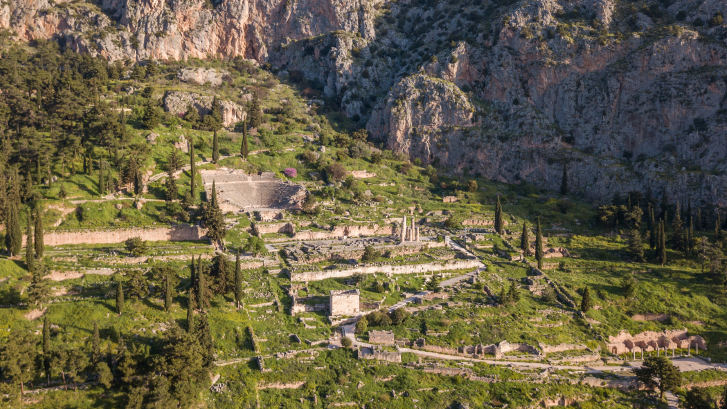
(345, 302)
(381, 337)
(624, 342)
(376, 352)
(409, 233)
(238, 191)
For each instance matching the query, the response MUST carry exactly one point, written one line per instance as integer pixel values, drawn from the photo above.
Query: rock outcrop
(177, 103)
(202, 76)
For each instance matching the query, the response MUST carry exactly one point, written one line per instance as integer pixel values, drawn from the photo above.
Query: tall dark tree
(661, 249)
(171, 187)
(636, 246)
(215, 148)
(39, 239)
(539, 246)
(498, 216)
(191, 306)
(564, 181)
(678, 238)
(13, 233)
(168, 292)
(47, 352)
(586, 300)
(203, 296)
(119, 297)
(192, 171)
(659, 372)
(204, 337)
(244, 148)
(29, 246)
(213, 218)
(238, 281)
(525, 240)
(102, 184)
(255, 114)
(96, 345)
(152, 116)
(718, 228)
(653, 230)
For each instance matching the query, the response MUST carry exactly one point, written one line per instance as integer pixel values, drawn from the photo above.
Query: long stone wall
(386, 269)
(176, 233)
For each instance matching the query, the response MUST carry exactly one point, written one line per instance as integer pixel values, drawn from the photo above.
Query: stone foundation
(386, 269)
(176, 233)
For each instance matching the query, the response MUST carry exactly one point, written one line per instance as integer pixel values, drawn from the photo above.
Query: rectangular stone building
(345, 302)
(381, 337)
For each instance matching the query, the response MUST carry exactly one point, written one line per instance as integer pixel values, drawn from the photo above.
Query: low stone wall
(378, 354)
(548, 349)
(386, 269)
(176, 233)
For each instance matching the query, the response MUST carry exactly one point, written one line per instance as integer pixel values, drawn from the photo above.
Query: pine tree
(244, 149)
(192, 171)
(96, 345)
(214, 219)
(678, 225)
(636, 247)
(152, 116)
(525, 240)
(255, 112)
(513, 294)
(564, 181)
(586, 301)
(29, 247)
(39, 290)
(215, 148)
(539, 246)
(238, 281)
(119, 298)
(192, 116)
(498, 216)
(39, 240)
(173, 163)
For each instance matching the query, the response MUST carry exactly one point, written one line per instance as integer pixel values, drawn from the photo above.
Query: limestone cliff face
(629, 94)
(177, 29)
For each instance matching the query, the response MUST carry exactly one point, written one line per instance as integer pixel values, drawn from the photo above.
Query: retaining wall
(386, 269)
(176, 233)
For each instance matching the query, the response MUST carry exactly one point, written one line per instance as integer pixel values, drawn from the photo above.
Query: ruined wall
(176, 233)
(386, 269)
(381, 337)
(345, 302)
(548, 349)
(624, 342)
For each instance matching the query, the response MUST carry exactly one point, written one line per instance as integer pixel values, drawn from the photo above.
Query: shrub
(136, 246)
(336, 171)
(290, 172)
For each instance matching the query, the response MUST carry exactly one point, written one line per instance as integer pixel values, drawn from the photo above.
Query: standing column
(403, 229)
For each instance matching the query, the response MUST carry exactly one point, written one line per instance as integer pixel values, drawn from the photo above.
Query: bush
(290, 172)
(346, 342)
(136, 246)
(336, 171)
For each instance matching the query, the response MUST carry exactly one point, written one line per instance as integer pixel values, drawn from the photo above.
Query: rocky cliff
(627, 95)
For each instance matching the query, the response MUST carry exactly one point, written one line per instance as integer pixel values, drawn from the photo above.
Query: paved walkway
(671, 400)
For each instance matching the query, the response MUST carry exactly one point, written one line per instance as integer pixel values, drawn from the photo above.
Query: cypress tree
(586, 301)
(525, 240)
(238, 280)
(215, 148)
(167, 293)
(119, 298)
(46, 349)
(101, 178)
(96, 345)
(699, 219)
(204, 337)
(214, 219)
(662, 244)
(678, 225)
(171, 186)
(564, 181)
(244, 150)
(192, 171)
(29, 247)
(539, 246)
(255, 112)
(191, 305)
(652, 228)
(13, 234)
(202, 300)
(498, 216)
(39, 241)
(718, 228)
